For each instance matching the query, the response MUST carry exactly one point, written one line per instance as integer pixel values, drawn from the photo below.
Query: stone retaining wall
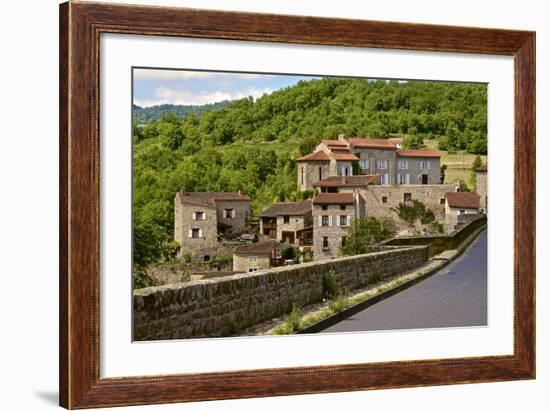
(224, 306)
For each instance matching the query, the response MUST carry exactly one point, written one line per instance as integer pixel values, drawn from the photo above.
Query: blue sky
(154, 86)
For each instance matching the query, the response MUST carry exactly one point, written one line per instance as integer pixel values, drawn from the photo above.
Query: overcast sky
(153, 87)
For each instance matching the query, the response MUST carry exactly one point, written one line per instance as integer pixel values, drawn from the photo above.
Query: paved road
(455, 296)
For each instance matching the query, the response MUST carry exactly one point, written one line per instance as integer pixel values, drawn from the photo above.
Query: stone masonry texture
(224, 306)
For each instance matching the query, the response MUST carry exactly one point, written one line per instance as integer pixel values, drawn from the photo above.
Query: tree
(443, 169)
(365, 231)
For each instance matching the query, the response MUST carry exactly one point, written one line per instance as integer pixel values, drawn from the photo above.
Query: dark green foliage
(414, 211)
(442, 169)
(413, 141)
(477, 163)
(288, 252)
(251, 145)
(145, 114)
(366, 231)
(330, 287)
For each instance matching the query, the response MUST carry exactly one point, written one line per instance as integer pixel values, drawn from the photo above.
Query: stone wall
(380, 200)
(240, 215)
(334, 232)
(310, 170)
(481, 187)
(184, 222)
(440, 243)
(225, 306)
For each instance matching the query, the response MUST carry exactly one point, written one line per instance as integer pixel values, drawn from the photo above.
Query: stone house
(330, 158)
(254, 257)
(481, 185)
(288, 222)
(380, 200)
(332, 215)
(458, 205)
(200, 217)
(346, 183)
(382, 157)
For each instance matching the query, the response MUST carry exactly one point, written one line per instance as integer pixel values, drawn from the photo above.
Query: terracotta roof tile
(377, 143)
(334, 143)
(344, 156)
(296, 208)
(462, 200)
(334, 198)
(404, 152)
(263, 247)
(208, 199)
(316, 156)
(348, 181)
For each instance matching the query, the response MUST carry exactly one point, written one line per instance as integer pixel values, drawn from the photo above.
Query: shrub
(293, 320)
(288, 252)
(366, 231)
(339, 304)
(187, 257)
(330, 287)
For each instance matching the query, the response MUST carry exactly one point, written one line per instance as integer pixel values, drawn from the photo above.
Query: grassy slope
(459, 164)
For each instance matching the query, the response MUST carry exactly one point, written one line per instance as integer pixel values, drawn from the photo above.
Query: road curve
(454, 297)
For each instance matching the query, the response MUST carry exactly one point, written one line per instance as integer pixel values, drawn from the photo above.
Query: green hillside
(251, 145)
(142, 115)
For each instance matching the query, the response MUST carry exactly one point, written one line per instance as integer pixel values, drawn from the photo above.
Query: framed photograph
(259, 205)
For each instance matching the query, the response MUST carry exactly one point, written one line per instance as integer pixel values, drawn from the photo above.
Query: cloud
(164, 95)
(146, 74)
(157, 74)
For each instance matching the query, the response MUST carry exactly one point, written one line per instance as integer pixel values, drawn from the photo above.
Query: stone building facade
(460, 204)
(382, 157)
(254, 257)
(332, 215)
(200, 218)
(481, 185)
(380, 200)
(285, 221)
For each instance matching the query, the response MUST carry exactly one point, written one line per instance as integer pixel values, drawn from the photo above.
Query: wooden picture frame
(80, 27)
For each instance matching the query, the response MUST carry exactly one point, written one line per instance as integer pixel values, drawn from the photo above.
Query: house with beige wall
(286, 222)
(201, 217)
(254, 257)
(332, 215)
(383, 157)
(481, 185)
(460, 204)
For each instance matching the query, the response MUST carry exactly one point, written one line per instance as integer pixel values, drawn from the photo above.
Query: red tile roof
(377, 143)
(462, 200)
(344, 156)
(334, 143)
(348, 181)
(404, 152)
(316, 156)
(296, 208)
(334, 198)
(263, 247)
(208, 199)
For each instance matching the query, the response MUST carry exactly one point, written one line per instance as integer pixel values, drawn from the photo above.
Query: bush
(366, 231)
(293, 320)
(288, 252)
(330, 287)
(339, 304)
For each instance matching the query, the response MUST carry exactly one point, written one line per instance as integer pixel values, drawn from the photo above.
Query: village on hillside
(348, 180)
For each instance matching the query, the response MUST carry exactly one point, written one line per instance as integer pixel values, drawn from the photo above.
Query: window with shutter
(330, 221)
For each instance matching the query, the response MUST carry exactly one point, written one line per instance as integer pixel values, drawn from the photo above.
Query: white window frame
(323, 243)
(382, 164)
(364, 164)
(253, 259)
(403, 165)
(195, 216)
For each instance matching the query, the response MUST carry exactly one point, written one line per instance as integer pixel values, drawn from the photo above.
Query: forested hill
(142, 115)
(250, 145)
